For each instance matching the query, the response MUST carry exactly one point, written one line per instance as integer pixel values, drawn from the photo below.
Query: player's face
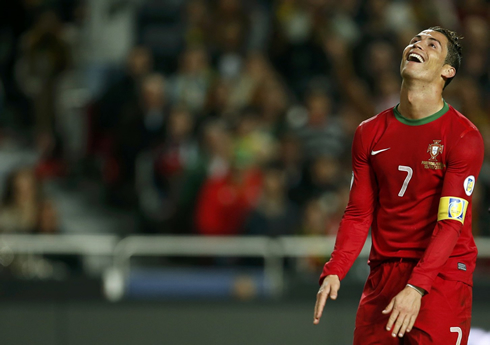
(423, 58)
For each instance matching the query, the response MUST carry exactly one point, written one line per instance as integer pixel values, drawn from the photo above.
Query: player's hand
(329, 288)
(404, 309)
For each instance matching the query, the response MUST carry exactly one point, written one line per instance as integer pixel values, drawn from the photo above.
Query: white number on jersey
(407, 179)
(460, 334)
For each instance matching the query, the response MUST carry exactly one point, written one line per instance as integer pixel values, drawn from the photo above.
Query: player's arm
(464, 161)
(354, 226)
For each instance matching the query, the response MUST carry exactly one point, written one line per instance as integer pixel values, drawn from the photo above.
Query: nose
(417, 45)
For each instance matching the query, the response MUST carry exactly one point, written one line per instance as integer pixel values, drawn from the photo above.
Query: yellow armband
(451, 207)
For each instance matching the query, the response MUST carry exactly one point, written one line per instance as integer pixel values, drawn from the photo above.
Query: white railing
(272, 250)
(86, 245)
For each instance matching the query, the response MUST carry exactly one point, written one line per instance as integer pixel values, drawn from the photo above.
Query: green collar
(422, 121)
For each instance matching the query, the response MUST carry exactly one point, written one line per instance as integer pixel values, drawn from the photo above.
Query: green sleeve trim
(423, 121)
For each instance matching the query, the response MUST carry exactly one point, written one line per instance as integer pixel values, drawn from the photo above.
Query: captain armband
(451, 207)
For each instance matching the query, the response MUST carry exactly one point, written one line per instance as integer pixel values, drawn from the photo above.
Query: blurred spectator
(343, 21)
(217, 149)
(322, 216)
(294, 50)
(469, 97)
(387, 91)
(192, 81)
(44, 56)
(14, 21)
(323, 181)
(50, 164)
(230, 28)
(274, 214)
(109, 107)
(48, 222)
(272, 101)
(179, 151)
(315, 218)
(22, 202)
(253, 146)
(198, 22)
(143, 123)
(55, 265)
(336, 206)
(72, 91)
(255, 71)
(16, 17)
(142, 126)
(74, 33)
(213, 162)
(350, 119)
(25, 210)
(353, 90)
(107, 113)
(314, 223)
(166, 179)
(291, 159)
(218, 101)
(476, 45)
(224, 203)
(380, 61)
(322, 133)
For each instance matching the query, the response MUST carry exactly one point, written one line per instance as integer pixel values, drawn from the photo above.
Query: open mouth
(414, 57)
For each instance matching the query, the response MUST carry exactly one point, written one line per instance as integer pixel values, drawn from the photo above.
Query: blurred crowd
(226, 117)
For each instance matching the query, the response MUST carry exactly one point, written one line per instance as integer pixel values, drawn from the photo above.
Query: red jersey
(412, 185)
(224, 202)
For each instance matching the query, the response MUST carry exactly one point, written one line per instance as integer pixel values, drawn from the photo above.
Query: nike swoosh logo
(374, 153)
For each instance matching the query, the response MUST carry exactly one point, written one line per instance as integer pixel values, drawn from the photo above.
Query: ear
(448, 71)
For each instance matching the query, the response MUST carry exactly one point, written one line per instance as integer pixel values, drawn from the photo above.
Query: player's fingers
(321, 299)
(411, 323)
(392, 319)
(389, 307)
(398, 324)
(334, 291)
(320, 304)
(404, 326)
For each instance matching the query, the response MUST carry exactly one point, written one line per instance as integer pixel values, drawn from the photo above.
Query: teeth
(418, 57)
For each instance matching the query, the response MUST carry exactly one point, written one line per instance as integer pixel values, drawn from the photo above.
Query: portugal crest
(435, 149)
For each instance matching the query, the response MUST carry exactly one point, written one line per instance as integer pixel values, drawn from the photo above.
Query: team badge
(434, 149)
(469, 185)
(452, 208)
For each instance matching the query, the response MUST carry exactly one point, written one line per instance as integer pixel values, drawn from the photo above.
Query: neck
(419, 100)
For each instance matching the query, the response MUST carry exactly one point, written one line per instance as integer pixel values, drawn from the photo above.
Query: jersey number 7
(407, 179)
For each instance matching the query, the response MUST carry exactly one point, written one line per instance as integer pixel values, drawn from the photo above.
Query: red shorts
(444, 317)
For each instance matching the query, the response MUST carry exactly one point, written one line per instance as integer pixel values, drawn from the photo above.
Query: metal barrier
(272, 250)
(259, 246)
(59, 244)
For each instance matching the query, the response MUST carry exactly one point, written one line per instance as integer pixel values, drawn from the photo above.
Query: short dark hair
(454, 49)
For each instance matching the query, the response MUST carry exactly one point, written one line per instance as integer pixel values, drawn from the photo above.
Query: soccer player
(414, 171)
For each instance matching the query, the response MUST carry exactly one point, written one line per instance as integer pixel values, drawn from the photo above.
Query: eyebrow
(435, 39)
(430, 38)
